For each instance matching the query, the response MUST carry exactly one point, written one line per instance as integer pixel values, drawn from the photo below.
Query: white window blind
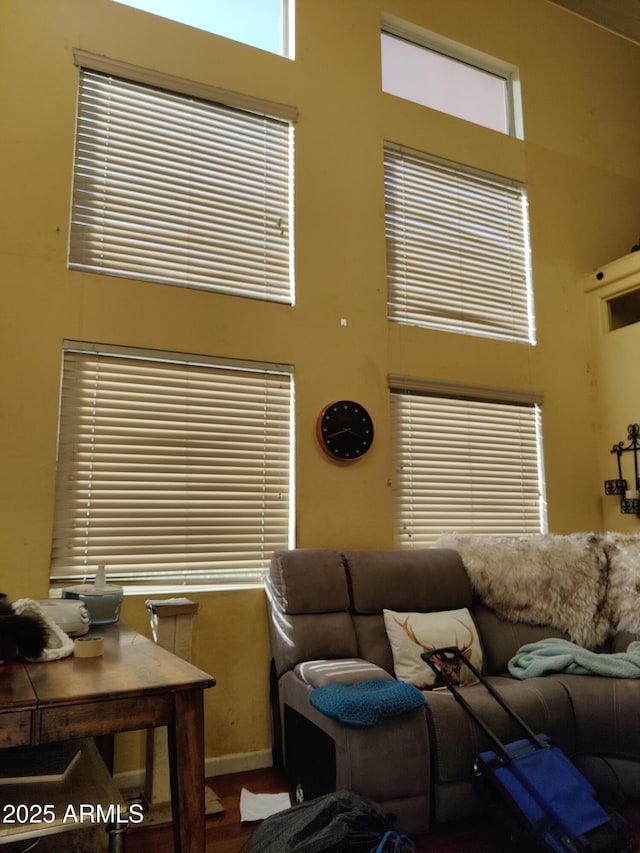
(179, 190)
(465, 465)
(171, 471)
(457, 249)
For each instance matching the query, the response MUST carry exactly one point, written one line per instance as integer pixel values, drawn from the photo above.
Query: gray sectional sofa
(327, 622)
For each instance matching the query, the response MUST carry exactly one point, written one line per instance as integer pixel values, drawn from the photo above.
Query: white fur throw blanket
(548, 579)
(623, 595)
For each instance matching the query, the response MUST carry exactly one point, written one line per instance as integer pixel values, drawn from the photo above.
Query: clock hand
(340, 432)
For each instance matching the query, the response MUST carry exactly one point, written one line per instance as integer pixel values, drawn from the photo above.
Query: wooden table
(135, 684)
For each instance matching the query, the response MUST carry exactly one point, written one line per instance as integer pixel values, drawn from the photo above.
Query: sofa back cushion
(424, 581)
(502, 639)
(308, 601)
(309, 580)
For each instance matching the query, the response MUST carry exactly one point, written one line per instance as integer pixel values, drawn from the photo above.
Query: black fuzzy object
(27, 633)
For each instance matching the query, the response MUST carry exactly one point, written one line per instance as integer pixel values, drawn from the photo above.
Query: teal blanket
(362, 703)
(555, 655)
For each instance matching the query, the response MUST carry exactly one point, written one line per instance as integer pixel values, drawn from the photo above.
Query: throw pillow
(411, 634)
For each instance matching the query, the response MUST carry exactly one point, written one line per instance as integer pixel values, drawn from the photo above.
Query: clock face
(345, 430)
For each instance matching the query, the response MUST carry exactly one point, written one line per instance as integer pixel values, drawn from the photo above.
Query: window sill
(151, 590)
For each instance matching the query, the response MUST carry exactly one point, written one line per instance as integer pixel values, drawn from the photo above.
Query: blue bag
(394, 842)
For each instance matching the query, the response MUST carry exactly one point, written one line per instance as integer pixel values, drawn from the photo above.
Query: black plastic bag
(341, 821)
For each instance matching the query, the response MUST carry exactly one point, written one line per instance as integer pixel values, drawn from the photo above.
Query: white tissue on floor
(259, 806)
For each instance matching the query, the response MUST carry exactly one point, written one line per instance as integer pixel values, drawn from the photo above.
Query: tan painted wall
(579, 159)
(615, 355)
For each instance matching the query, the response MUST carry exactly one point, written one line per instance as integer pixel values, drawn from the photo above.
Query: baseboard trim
(220, 765)
(238, 762)
(130, 780)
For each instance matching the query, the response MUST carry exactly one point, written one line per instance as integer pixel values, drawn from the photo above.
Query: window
(457, 248)
(266, 24)
(465, 464)
(171, 469)
(624, 310)
(176, 189)
(444, 75)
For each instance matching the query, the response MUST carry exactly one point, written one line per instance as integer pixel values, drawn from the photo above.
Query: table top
(131, 665)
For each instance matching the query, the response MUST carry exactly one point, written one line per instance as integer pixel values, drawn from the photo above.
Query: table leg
(186, 767)
(105, 744)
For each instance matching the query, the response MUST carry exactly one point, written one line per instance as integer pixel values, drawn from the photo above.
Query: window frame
(471, 57)
(287, 26)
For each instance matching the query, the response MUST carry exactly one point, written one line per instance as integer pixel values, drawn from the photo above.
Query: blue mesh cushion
(362, 703)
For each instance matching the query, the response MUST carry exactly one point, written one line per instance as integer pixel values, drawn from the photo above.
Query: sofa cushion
(373, 643)
(411, 634)
(620, 641)
(456, 739)
(311, 636)
(606, 713)
(309, 580)
(422, 580)
(501, 639)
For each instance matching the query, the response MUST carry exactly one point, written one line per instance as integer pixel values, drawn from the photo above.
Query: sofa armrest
(317, 673)
(388, 762)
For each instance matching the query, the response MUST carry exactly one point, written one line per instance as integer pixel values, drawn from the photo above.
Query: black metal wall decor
(629, 497)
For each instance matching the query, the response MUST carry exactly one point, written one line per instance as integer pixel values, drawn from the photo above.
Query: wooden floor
(226, 834)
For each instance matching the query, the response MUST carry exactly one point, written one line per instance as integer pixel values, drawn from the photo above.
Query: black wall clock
(345, 430)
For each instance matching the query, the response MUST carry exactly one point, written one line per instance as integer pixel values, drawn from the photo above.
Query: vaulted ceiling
(621, 16)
